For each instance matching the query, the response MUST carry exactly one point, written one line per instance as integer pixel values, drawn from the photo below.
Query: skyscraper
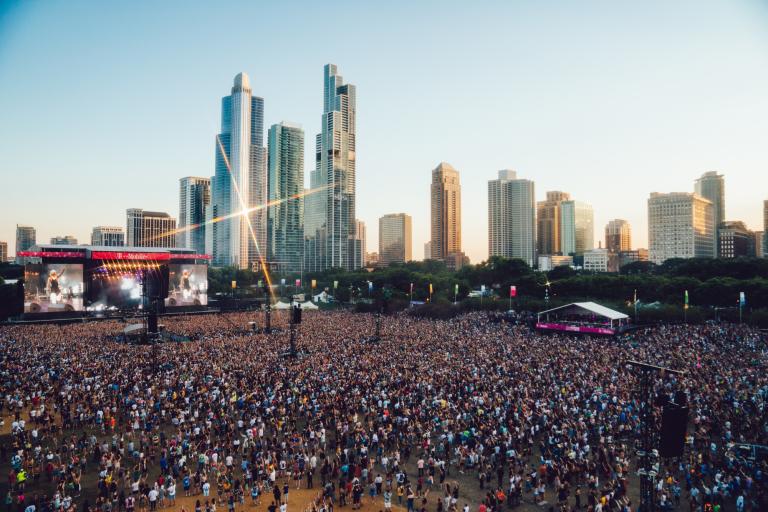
(63, 240)
(734, 240)
(765, 227)
(111, 236)
(240, 182)
(194, 198)
(395, 239)
(446, 212)
(512, 217)
(26, 237)
(329, 223)
(577, 228)
(150, 229)
(548, 222)
(359, 245)
(286, 183)
(618, 236)
(711, 186)
(3, 252)
(680, 225)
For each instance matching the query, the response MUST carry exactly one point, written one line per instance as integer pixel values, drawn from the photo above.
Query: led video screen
(187, 285)
(53, 287)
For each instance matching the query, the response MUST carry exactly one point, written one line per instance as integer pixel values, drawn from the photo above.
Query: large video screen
(53, 287)
(187, 285)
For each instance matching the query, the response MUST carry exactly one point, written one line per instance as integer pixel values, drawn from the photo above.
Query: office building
(577, 228)
(63, 240)
(359, 245)
(765, 227)
(26, 237)
(395, 238)
(3, 252)
(596, 260)
(680, 225)
(150, 229)
(759, 244)
(627, 257)
(548, 262)
(711, 186)
(194, 199)
(548, 222)
(111, 236)
(427, 250)
(618, 236)
(371, 259)
(285, 177)
(329, 221)
(446, 212)
(239, 185)
(735, 240)
(512, 217)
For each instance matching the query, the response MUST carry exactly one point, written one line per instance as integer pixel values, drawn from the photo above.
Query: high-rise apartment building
(512, 217)
(26, 237)
(395, 239)
(548, 222)
(359, 245)
(765, 227)
(735, 240)
(711, 186)
(329, 221)
(680, 225)
(577, 228)
(63, 240)
(285, 176)
(194, 199)
(760, 244)
(618, 236)
(240, 183)
(3, 252)
(446, 212)
(150, 229)
(111, 236)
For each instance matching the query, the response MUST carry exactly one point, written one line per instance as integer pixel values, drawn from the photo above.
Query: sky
(105, 105)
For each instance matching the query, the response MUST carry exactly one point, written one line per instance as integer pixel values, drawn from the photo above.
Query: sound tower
(674, 424)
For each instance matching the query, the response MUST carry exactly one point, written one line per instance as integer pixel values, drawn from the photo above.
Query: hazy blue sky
(105, 105)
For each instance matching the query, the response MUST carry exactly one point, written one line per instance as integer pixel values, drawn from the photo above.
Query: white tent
(281, 305)
(321, 297)
(585, 310)
(308, 305)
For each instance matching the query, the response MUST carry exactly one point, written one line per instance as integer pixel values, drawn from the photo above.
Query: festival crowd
(467, 414)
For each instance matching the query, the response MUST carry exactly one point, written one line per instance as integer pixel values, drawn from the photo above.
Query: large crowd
(469, 413)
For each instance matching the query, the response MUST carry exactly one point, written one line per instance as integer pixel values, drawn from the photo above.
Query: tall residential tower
(240, 183)
(548, 222)
(194, 199)
(286, 184)
(512, 217)
(446, 212)
(618, 236)
(329, 223)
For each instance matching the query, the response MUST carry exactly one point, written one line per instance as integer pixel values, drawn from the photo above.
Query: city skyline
(637, 131)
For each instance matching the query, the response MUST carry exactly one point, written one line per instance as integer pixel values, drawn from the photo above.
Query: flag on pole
(430, 288)
(512, 290)
(482, 289)
(282, 281)
(686, 299)
(298, 283)
(314, 283)
(370, 286)
(742, 299)
(411, 287)
(260, 283)
(635, 299)
(234, 284)
(335, 284)
(456, 288)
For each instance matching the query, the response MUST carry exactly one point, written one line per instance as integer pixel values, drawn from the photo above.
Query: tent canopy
(587, 308)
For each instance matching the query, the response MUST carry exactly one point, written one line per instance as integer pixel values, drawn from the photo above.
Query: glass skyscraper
(240, 183)
(286, 183)
(329, 224)
(512, 217)
(577, 226)
(194, 199)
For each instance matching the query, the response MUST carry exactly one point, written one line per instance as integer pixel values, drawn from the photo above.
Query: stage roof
(592, 307)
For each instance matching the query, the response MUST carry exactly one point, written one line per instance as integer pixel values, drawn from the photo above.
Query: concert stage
(582, 318)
